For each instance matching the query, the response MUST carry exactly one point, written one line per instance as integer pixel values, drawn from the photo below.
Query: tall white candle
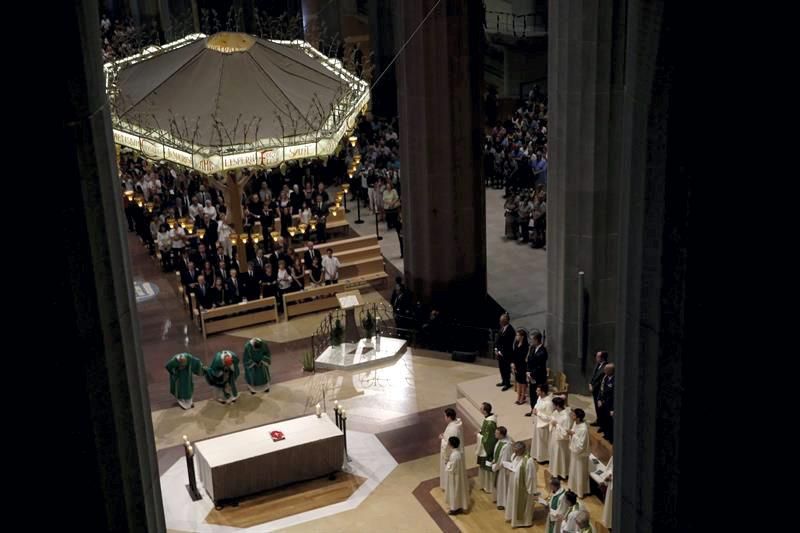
(319, 410)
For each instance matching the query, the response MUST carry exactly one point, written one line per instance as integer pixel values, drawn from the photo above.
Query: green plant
(369, 325)
(308, 362)
(337, 334)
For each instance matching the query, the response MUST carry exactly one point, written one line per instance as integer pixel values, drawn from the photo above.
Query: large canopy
(232, 100)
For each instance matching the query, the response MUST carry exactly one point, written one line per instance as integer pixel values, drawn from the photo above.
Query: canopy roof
(232, 100)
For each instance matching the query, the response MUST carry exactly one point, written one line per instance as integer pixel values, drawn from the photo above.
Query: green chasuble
(488, 440)
(218, 375)
(181, 384)
(522, 489)
(554, 505)
(256, 364)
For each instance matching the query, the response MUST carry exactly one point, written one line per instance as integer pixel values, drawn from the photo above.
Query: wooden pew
(342, 245)
(323, 298)
(356, 263)
(238, 315)
(332, 222)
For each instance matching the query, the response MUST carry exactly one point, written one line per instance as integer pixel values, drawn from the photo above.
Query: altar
(360, 354)
(249, 461)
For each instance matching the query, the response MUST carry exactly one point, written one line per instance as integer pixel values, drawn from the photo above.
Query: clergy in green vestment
(486, 442)
(181, 384)
(583, 522)
(222, 373)
(257, 359)
(557, 507)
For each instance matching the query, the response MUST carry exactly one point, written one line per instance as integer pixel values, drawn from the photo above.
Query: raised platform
(471, 394)
(350, 356)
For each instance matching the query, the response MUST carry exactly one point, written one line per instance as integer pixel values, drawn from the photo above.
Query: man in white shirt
(330, 267)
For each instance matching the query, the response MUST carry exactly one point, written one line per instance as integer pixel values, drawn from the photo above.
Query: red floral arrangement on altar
(276, 435)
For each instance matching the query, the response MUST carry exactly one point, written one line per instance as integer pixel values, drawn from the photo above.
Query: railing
(443, 337)
(516, 25)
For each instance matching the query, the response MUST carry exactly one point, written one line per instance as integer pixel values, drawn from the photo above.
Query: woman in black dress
(519, 365)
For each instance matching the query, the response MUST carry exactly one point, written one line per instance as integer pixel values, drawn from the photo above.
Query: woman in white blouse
(224, 232)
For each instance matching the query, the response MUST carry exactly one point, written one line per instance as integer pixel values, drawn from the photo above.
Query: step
(467, 410)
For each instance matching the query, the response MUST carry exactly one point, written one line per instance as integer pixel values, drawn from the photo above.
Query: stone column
(585, 82)
(96, 376)
(439, 104)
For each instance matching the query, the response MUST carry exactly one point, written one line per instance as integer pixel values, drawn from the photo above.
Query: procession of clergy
(509, 473)
(221, 374)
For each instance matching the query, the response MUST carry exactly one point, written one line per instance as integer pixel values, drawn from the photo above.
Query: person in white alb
(579, 454)
(556, 507)
(454, 428)
(522, 491)
(542, 411)
(502, 453)
(574, 507)
(560, 423)
(582, 520)
(330, 267)
(456, 493)
(608, 479)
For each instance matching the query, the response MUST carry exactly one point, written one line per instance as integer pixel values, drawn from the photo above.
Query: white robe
(579, 460)
(453, 429)
(540, 444)
(485, 477)
(521, 489)
(559, 443)
(608, 505)
(456, 493)
(503, 474)
(555, 516)
(569, 525)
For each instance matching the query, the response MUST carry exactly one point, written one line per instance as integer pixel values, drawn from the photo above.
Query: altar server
(579, 454)
(455, 428)
(456, 492)
(542, 411)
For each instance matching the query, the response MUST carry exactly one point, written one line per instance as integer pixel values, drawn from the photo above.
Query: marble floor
(516, 273)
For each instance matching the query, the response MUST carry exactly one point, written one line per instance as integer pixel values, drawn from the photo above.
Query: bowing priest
(522, 491)
(257, 359)
(556, 507)
(456, 492)
(502, 453)
(455, 428)
(542, 412)
(222, 374)
(579, 454)
(181, 384)
(485, 448)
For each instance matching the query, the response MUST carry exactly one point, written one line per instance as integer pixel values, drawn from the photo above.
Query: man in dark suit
(601, 359)
(605, 403)
(503, 351)
(536, 367)
(189, 276)
(251, 280)
(275, 256)
(203, 255)
(202, 294)
(235, 287)
(260, 262)
(222, 271)
(320, 210)
(212, 232)
(310, 254)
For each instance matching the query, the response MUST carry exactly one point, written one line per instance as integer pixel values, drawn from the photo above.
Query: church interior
(345, 265)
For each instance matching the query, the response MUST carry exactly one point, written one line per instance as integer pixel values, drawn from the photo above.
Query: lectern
(349, 301)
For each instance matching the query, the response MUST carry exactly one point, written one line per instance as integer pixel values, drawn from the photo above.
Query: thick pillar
(439, 104)
(667, 304)
(102, 403)
(382, 18)
(585, 82)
